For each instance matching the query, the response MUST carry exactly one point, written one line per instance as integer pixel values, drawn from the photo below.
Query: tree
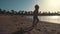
(15, 13)
(12, 11)
(4, 11)
(25, 12)
(28, 12)
(18, 12)
(21, 12)
(7, 12)
(31, 12)
(0, 11)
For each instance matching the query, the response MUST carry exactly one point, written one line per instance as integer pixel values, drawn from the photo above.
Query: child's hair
(36, 6)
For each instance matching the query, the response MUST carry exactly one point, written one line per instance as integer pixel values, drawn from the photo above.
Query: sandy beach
(12, 23)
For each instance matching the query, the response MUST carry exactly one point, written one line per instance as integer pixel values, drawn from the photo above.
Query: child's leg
(37, 20)
(33, 22)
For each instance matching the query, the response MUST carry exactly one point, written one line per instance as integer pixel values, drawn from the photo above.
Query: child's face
(36, 8)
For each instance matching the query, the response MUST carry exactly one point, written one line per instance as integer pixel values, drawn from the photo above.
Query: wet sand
(10, 24)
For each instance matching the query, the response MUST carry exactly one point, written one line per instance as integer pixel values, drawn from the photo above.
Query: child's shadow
(22, 31)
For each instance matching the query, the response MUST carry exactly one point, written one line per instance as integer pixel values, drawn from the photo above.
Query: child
(35, 16)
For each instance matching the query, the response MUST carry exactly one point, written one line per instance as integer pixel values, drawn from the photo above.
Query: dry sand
(10, 24)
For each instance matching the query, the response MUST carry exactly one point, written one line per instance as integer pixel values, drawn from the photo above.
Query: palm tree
(7, 12)
(0, 11)
(12, 11)
(4, 11)
(28, 12)
(31, 12)
(18, 12)
(21, 12)
(25, 12)
(15, 13)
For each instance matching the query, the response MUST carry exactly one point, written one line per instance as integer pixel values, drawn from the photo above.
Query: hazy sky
(28, 5)
(51, 5)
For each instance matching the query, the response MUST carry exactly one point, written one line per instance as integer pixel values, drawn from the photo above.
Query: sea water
(52, 19)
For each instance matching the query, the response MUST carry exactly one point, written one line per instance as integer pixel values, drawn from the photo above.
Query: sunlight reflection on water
(52, 19)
